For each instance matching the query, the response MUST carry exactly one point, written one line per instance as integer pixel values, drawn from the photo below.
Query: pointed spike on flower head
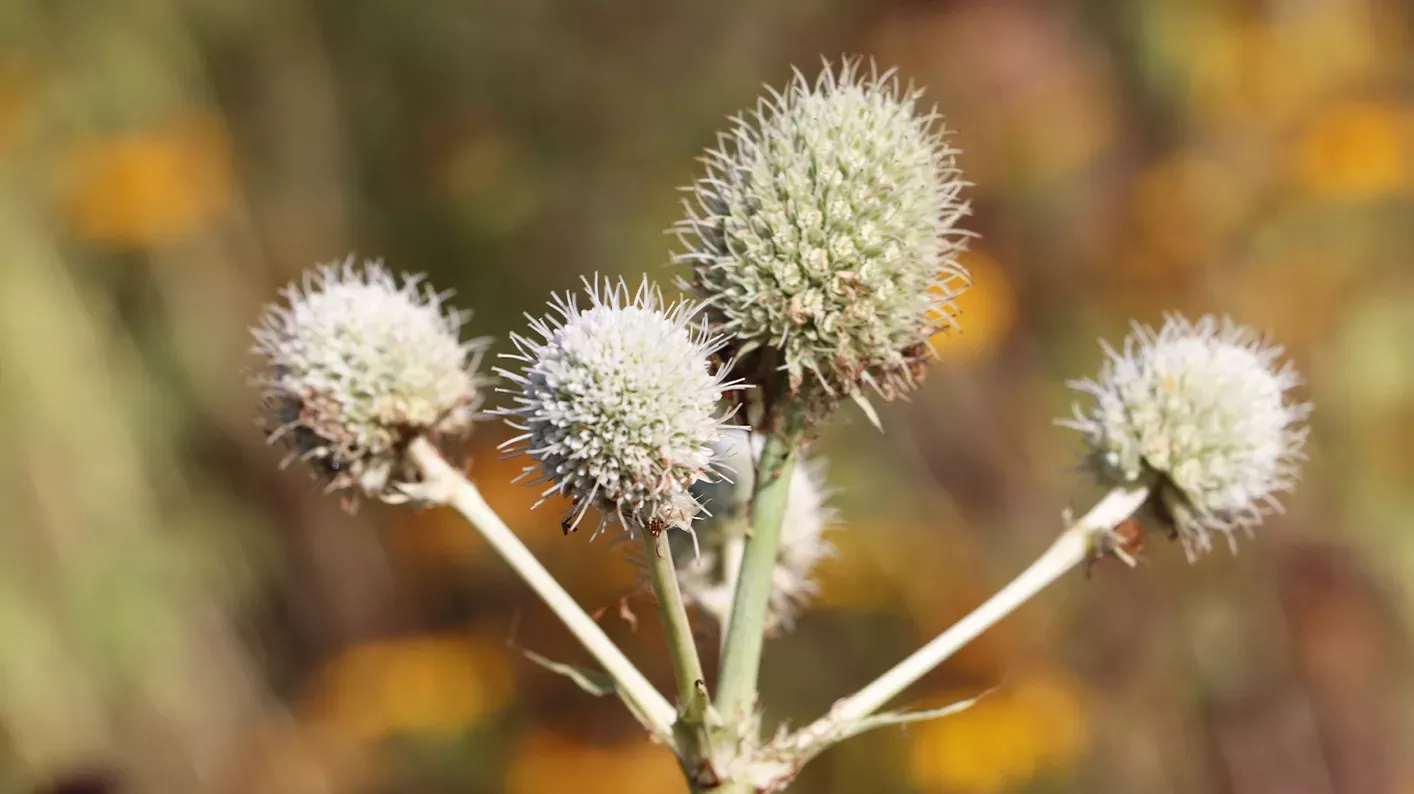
(358, 364)
(808, 518)
(1207, 407)
(619, 401)
(824, 229)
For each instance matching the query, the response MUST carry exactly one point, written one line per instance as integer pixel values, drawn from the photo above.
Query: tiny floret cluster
(618, 404)
(825, 229)
(701, 565)
(1204, 406)
(358, 364)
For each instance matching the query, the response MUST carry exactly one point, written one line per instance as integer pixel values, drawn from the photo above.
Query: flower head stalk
(707, 583)
(824, 234)
(360, 363)
(618, 404)
(1206, 407)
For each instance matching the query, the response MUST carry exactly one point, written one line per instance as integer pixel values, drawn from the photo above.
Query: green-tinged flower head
(618, 404)
(824, 235)
(1205, 406)
(701, 570)
(358, 365)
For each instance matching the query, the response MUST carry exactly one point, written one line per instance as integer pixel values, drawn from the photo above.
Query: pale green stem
(741, 652)
(444, 484)
(1072, 548)
(732, 552)
(687, 665)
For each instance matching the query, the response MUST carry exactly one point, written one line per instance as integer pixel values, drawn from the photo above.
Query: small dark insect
(566, 527)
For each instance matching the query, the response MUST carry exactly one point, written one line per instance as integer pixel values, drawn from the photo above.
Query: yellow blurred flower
(549, 762)
(150, 186)
(1260, 74)
(864, 574)
(1355, 151)
(1027, 729)
(988, 311)
(422, 683)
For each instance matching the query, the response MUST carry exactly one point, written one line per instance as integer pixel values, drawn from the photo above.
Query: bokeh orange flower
(1355, 151)
(986, 312)
(150, 186)
(414, 684)
(548, 761)
(1027, 729)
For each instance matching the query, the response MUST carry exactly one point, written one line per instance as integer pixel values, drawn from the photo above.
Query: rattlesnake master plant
(1204, 405)
(618, 403)
(822, 243)
(358, 365)
(701, 564)
(825, 229)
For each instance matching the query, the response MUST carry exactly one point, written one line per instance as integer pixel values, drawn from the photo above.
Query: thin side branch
(1072, 548)
(444, 484)
(682, 648)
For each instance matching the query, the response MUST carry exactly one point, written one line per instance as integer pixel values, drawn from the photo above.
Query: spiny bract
(824, 228)
(359, 366)
(618, 404)
(1203, 405)
(807, 518)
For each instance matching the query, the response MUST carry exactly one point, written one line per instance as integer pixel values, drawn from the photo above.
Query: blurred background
(176, 615)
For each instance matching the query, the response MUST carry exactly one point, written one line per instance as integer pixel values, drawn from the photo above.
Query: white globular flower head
(825, 229)
(1205, 407)
(617, 403)
(358, 365)
(807, 519)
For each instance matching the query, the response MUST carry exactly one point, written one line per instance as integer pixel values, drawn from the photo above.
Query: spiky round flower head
(701, 561)
(1204, 406)
(618, 404)
(824, 229)
(358, 366)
